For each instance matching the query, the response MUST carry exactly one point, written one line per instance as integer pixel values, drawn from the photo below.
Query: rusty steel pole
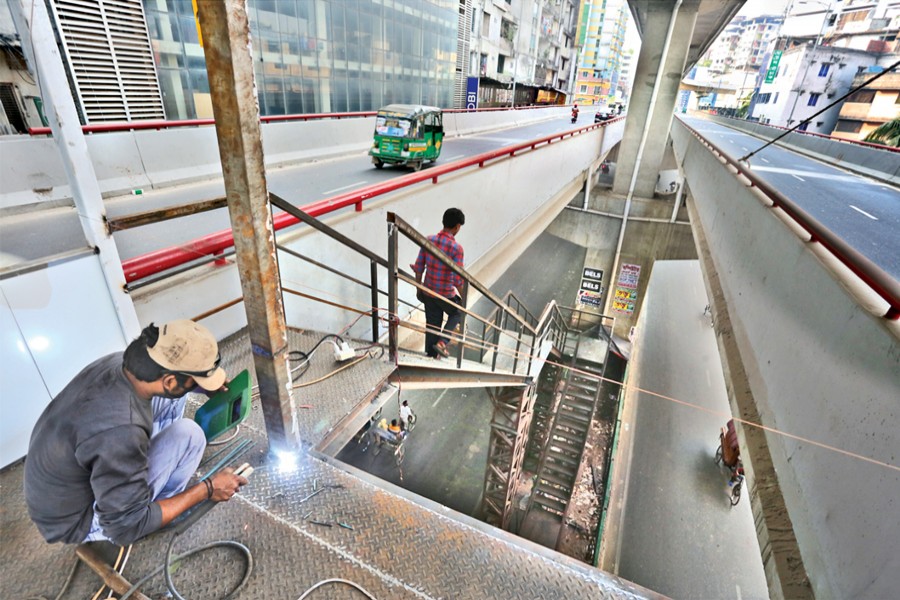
(225, 31)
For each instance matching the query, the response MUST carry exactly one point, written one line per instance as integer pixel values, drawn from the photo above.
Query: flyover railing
(174, 124)
(212, 246)
(882, 283)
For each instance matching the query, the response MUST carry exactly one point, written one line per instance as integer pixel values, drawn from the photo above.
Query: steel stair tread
(556, 480)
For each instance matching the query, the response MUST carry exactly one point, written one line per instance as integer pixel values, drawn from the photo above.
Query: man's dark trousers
(434, 317)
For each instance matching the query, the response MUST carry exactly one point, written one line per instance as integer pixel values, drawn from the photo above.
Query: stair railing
(502, 320)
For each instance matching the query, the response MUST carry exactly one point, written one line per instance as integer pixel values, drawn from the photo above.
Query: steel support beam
(425, 377)
(513, 409)
(226, 44)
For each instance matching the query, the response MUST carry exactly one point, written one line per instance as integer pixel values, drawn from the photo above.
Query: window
(501, 63)
(775, 99)
(848, 126)
(897, 101)
(813, 98)
(583, 89)
(862, 96)
(823, 70)
(764, 98)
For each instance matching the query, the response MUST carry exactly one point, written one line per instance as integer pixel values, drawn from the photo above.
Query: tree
(744, 106)
(887, 134)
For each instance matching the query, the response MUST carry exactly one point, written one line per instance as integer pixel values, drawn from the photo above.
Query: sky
(753, 8)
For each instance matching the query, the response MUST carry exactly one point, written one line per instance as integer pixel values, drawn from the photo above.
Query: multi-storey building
(130, 60)
(808, 78)
(734, 60)
(20, 100)
(521, 50)
(601, 45)
(870, 107)
(626, 77)
(861, 24)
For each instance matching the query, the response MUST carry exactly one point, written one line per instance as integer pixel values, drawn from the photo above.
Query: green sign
(773, 66)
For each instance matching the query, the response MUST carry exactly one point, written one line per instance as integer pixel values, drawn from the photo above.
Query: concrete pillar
(659, 14)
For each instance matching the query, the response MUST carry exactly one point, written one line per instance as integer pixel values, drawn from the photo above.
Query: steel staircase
(564, 447)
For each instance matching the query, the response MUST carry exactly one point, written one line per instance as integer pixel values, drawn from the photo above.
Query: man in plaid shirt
(443, 282)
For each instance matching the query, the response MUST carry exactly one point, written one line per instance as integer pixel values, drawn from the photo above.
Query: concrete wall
(51, 321)
(819, 366)
(507, 203)
(124, 161)
(879, 164)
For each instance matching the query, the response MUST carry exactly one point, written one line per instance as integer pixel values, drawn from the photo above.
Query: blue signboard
(471, 93)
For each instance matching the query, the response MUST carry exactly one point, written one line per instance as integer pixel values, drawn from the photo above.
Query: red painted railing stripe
(158, 125)
(874, 276)
(155, 262)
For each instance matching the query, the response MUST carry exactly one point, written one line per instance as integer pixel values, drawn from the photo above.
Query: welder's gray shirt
(90, 445)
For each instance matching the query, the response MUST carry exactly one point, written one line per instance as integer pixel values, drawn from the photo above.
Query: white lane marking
(859, 210)
(454, 157)
(797, 177)
(744, 149)
(439, 398)
(885, 189)
(764, 160)
(346, 187)
(809, 174)
(505, 140)
(737, 589)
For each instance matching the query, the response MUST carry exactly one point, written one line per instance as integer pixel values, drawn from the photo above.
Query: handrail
(874, 276)
(423, 242)
(160, 124)
(151, 263)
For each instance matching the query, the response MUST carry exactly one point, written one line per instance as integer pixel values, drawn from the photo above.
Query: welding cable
(166, 567)
(335, 580)
(118, 567)
(237, 430)
(355, 361)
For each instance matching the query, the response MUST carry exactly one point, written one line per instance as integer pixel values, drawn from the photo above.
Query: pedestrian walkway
(393, 543)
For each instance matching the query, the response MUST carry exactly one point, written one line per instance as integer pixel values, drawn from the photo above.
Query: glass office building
(316, 56)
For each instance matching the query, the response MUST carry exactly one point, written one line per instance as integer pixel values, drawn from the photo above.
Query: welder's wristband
(209, 489)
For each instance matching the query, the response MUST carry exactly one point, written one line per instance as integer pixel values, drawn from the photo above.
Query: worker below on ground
(445, 284)
(405, 415)
(110, 457)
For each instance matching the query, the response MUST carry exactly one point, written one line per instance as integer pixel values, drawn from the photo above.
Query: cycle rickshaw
(729, 455)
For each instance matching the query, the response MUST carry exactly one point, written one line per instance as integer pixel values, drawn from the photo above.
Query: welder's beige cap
(186, 347)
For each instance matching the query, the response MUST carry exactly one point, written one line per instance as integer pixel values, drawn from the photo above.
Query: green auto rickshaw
(407, 134)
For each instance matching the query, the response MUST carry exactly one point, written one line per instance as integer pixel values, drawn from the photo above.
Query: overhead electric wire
(747, 156)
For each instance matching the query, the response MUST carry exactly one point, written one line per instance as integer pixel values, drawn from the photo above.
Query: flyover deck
(400, 545)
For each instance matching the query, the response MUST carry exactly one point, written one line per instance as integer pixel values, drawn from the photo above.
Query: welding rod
(227, 447)
(241, 448)
(321, 489)
(245, 470)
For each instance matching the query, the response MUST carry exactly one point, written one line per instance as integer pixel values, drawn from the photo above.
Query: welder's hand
(226, 484)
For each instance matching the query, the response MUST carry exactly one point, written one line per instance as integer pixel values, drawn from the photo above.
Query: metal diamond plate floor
(398, 545)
